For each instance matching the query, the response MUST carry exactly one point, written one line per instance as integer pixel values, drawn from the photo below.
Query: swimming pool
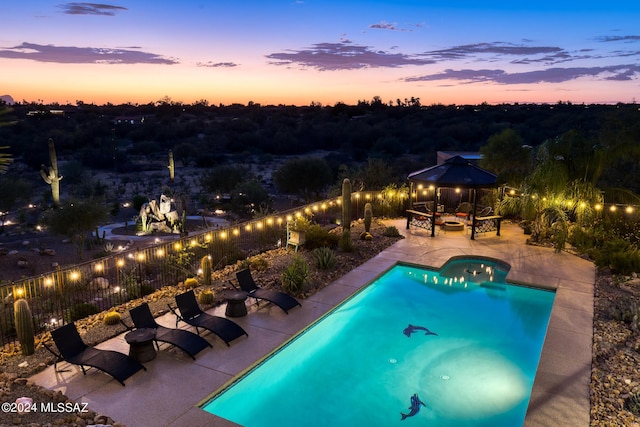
(458, 347)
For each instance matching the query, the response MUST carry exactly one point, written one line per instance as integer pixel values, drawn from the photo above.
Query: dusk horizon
(304, 52)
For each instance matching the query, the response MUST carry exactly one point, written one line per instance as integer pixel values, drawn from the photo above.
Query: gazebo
(454, 172)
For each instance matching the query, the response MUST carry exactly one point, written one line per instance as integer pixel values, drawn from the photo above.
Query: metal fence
(72, 293)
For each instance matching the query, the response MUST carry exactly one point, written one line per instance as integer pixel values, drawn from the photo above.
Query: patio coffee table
(141, 345)
(235, 303)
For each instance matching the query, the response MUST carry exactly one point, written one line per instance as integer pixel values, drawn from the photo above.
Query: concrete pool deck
(168, 392)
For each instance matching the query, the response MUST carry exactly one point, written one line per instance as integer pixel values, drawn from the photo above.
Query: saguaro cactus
(24, 326)
(368, 216)
(50, 174)
(205, 265)
(346, 210)
(172, 168)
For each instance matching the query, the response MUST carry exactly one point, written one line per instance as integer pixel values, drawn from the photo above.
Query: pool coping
(168, 393)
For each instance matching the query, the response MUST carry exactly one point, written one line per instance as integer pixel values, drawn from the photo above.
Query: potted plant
(297, 230)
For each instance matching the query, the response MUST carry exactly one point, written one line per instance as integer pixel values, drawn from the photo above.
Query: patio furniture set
(459, 220)
(146, 334)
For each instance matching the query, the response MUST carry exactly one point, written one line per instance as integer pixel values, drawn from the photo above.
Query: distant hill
(7, 99)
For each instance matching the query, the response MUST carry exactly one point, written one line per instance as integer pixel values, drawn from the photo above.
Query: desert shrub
(559, 235)
(111, 318)
(626, 311)
(206, 297)
(582, 239)
(619, 255)
(625, 263)
(80, 311)
(632, 403)
(259, 264)
(295, 275)
(324, 258)
(146, 289)
(182, 261)
(244, 264)
(391, 231)
(318, 237)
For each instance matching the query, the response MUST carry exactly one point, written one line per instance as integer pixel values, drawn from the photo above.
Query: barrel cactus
(368, 216)
(24, 326)
(191, 283)
(111, 318)
(205, 265)
(206, 297)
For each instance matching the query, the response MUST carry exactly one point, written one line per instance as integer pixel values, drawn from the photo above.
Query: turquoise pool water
(460, 347)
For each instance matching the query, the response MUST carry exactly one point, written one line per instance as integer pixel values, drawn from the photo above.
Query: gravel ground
(615, 376)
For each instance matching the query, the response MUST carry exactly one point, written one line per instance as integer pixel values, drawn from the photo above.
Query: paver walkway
(168, 392)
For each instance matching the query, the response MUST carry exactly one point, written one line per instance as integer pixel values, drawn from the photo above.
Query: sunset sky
(323, 51)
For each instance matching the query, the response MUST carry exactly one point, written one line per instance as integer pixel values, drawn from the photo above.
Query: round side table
(235, 303)
(141, 345)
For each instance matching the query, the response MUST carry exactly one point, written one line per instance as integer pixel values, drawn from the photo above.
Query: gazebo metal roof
(454, 172)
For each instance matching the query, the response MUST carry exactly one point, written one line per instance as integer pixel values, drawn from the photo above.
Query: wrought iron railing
(71, 293)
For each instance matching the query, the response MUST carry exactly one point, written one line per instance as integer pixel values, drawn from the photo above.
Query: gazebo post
(475, 209)
(436, 191)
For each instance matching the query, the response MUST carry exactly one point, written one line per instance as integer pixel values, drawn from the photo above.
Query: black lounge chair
(191, 314)
(186, 341)
(284, 301)
(73, 350)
